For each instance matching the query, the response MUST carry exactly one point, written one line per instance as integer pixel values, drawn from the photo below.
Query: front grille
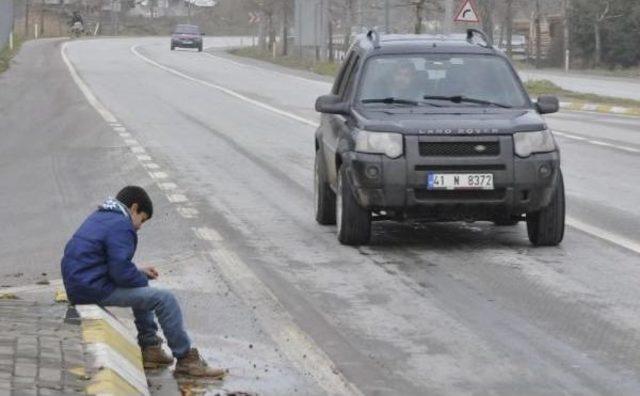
(461, 168)
(493, 195)
(459, 149)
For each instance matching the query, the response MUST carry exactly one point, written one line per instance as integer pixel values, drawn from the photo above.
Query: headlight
(527, 143)
(389, 144)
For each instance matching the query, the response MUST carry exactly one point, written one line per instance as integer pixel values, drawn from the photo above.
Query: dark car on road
(187, 36)
(435, 128)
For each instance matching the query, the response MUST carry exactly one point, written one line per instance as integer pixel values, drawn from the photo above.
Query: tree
(602, 15)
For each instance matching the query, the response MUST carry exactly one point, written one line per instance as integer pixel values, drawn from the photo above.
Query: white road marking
(227, 91)
(292, 341)
(125, 135)
(603, 234)
(611, 238)
(120, 129)
(278, 323)
(91, 98)
(167, 186)
(247, 66)
(177, 198)
(143, 157)
(208, 234)
(187, 213)
(571, 136)
(138, 150)
(158, 175)
(151, 165)
(131, 142)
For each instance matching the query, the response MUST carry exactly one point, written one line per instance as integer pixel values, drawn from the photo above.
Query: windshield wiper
(461, 99)
(392, 100)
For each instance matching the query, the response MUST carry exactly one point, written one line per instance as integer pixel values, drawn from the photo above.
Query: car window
(342, 74)
(482, 77)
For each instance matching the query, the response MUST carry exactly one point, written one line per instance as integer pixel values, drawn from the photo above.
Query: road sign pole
(448, 16)
(387, 16)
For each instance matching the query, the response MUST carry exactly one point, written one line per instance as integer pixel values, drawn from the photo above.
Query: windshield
(187, 30)
(447, 80)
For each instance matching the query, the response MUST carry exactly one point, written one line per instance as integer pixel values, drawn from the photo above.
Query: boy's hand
(150, 272)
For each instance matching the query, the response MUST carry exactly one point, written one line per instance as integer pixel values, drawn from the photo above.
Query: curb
(112, 355)
(591, 107)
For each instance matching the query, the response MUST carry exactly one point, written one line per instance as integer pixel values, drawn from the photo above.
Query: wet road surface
(225, 146)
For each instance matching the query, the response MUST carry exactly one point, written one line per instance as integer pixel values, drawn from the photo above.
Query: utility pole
(42, 19)
(567, 49)
(509, 28)
(538, 34)
(26, 19)
(285, 28)
(448, 16)
(387, 16)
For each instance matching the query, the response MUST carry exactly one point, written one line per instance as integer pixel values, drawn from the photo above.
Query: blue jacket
(98, 257)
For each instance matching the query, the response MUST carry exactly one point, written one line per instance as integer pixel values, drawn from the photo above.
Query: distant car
(187, 36)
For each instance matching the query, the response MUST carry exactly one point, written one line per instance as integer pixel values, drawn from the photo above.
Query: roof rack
(374, 37)
(471, 34)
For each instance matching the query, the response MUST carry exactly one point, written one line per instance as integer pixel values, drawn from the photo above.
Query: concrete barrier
(112, 354)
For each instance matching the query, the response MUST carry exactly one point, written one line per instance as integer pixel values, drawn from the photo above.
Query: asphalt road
(225, 147)
(617, 87)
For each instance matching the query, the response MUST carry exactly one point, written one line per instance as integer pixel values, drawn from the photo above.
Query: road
(617, 87)
(225, 148)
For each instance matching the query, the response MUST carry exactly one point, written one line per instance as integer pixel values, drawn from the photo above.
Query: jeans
(148, 303)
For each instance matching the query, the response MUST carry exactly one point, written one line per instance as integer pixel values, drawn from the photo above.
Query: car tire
(173, 48)
(546, 227)
(200, 48)
(323, 196)
(353, 221)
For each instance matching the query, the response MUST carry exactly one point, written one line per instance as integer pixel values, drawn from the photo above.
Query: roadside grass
(535, 88)
(292, 61)
(546, 87)
(7, 54)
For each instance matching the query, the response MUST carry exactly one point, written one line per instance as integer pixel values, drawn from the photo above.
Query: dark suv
(435, 128)
(187, 36)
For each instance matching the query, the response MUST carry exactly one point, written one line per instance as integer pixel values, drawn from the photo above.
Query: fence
(6, 21)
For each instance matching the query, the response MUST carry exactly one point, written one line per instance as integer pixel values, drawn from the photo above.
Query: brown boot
(195, 366)
(155, 357)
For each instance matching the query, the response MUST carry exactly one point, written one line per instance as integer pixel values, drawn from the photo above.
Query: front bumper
(399, 186)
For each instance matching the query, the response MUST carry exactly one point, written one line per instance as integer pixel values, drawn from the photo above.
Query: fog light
(545, 171)
(373, 172)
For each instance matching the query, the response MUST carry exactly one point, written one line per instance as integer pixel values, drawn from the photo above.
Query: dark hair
(134, 194)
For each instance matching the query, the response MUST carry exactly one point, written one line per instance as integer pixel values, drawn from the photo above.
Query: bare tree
(603, 14)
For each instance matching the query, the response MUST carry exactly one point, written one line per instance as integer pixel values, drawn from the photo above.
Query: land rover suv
(435, 128)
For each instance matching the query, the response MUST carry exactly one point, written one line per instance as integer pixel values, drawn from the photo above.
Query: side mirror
(332, 104)
(202, 34)
(547, 104)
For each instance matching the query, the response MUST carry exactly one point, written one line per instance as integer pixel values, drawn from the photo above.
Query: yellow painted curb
(108, 382)
(113, 358)
(99, 331)
(600, 108)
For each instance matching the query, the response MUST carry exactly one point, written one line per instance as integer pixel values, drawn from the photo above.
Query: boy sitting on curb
(97, 269)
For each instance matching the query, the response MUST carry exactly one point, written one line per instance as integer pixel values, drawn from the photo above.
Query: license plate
(460, 181)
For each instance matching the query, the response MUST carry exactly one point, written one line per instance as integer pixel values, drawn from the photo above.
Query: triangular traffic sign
(467, 13)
